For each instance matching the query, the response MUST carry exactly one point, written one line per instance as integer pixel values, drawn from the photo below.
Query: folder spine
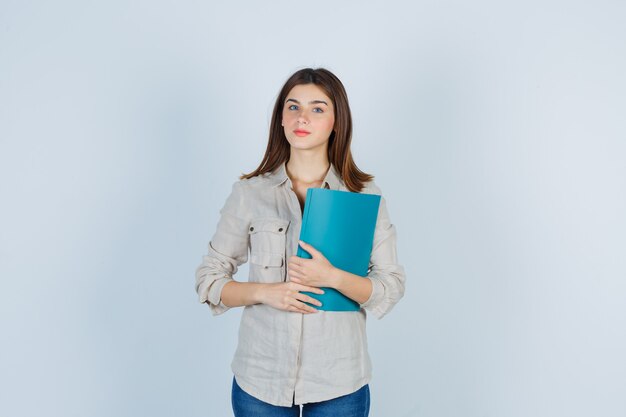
(305, 219)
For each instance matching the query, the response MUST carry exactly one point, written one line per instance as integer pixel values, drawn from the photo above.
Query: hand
(316, 272)
(287, 296)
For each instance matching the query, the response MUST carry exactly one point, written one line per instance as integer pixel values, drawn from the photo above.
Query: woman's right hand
(287, 296)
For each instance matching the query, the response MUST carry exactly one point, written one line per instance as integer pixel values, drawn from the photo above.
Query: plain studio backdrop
(495, 130)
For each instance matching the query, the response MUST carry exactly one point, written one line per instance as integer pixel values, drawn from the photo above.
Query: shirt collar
(332, 180)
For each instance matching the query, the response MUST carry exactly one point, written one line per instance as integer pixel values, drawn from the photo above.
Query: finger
(294, 300)
(297, 275)
(307, 307)
(303, 308)
(293, 259)
(295, 309)
(316, 290)
(310, 300)
(310, 289)
(312, 251)
(295, 267)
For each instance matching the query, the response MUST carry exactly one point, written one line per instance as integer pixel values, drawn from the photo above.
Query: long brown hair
(339, 154)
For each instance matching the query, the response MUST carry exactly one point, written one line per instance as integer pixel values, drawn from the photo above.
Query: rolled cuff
(376, 297)
(387, 289)
(214, 296)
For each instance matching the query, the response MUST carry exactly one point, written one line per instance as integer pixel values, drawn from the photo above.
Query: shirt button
(280, 230)
(251, 229)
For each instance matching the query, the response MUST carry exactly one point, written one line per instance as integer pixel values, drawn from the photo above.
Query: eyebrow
(310, 102)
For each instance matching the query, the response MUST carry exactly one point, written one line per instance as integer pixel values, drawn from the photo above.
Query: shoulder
(371, 187)
(242, 193)
(258, 184)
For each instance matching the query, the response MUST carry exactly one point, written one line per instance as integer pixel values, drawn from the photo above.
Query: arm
(351, 285)
(227, 250)
(281, 295)
(238, 294)
(387, 277)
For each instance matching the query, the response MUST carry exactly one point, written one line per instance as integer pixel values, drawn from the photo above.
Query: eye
(318, 108)
(291, 107)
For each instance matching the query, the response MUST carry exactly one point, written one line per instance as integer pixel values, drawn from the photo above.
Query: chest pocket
(268, 242)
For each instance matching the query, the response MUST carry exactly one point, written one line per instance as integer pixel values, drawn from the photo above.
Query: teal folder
(341, 225)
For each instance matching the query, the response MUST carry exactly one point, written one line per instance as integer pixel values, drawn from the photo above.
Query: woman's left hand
(316, 272)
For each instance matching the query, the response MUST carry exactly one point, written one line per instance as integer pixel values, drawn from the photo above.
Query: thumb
(312, 251)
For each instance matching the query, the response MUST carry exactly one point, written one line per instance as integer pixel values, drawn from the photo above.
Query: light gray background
(495, 130)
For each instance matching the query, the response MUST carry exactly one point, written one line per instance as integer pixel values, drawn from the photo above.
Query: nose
(302, 118)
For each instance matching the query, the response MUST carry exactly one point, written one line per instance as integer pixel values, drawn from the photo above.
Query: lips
(300, 132)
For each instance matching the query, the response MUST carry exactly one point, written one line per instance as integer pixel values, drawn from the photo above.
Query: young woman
(289, 353)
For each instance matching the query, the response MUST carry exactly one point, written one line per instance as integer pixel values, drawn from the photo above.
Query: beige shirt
(285, 356)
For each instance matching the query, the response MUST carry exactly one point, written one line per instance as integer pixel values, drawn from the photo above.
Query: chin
(305, 147)
(304, 144)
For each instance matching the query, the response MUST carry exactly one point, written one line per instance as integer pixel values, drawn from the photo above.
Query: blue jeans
(356, 404)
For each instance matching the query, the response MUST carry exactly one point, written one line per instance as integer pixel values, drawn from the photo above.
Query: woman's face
(308, 109)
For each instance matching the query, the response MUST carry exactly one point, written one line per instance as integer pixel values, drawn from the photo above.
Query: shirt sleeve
(227, 250)
(387, 276)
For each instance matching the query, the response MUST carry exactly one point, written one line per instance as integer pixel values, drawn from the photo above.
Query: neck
(307, 168)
